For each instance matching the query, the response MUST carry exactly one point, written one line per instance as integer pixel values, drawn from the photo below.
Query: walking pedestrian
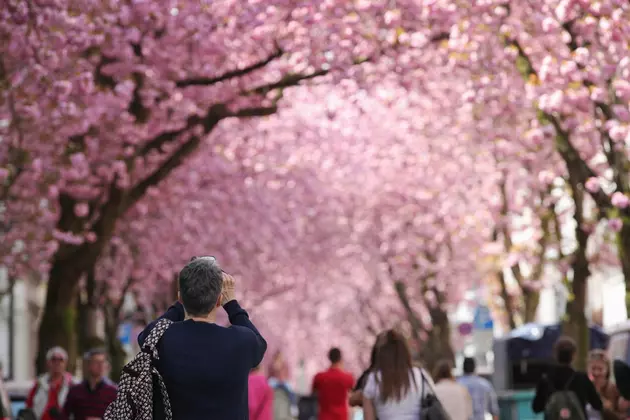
(395, 389)
(484, 398)
(260, 396)
(206, 366)
(284, 399)
(332, 387)
(89, 399)
(454, 397)
(356, 397)
(562, 378)
(49, 393)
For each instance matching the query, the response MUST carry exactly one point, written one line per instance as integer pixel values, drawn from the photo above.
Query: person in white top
(454, 397)
(395, 388)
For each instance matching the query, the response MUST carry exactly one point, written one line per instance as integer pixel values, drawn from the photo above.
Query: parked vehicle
(17, 393)
(5, 402)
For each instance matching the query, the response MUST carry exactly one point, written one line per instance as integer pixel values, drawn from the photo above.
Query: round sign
(465, 328)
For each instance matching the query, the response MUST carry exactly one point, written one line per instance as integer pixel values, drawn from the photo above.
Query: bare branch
(291, 79)
(208, 81)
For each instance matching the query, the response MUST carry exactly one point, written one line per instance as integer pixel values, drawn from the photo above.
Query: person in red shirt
(49, 393)
(332, 388)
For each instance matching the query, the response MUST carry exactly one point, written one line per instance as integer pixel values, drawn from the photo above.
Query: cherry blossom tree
(129, 92)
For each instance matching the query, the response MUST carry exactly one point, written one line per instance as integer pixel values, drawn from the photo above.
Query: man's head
(334, 355)
(469, 366)
(56, 360)
(564, 350)
(96, 363)
(200, 283)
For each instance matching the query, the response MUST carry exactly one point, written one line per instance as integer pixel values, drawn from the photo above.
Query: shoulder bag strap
(431, 389)
(150, 344)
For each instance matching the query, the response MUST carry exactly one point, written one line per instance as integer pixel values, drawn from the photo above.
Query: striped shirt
(484, 399)
(84, 403)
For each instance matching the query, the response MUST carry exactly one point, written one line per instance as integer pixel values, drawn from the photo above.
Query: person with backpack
(563, 393)
(189, 367)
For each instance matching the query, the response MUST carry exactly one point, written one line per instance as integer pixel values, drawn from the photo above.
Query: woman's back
(455, 399)
(409, 405)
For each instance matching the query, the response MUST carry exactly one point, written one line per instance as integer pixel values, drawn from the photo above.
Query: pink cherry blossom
(615, 224)
(620, 200)
(592, 185)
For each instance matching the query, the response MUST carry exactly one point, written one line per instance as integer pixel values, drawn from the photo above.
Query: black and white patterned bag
(138, 383)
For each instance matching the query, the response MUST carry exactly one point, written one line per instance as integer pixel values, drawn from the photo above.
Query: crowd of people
(207, 371)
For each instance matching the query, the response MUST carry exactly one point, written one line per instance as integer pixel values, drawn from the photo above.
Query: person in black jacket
(205, 365)
(356, 397)
(559, 376)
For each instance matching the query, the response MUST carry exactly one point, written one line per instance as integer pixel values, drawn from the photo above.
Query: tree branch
(161, 139)
(291, 79)
(208, 81)
(564, 146)
(413, 319)
(176, 159)
(213, 117)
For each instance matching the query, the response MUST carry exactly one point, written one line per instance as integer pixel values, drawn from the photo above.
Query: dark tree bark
(524, 312)
(415, 323)
(438, 346)
(58, 325)
(117, 354)
(576, 324)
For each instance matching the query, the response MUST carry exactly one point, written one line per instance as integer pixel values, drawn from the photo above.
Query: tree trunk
(576, 325)
(175, 288)
(623, 250)
(439, 342)
(91, 334)
(576, 310)
(58, 324)
(531, 299)
(414, 322)
(117, 354)
(508, 303)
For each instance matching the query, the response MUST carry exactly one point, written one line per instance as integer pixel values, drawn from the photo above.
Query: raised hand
(228, 293)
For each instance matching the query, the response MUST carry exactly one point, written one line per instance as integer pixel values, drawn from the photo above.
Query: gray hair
(57, 351)
(200, 284)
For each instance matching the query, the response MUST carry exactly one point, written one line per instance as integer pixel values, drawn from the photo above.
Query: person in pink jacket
(260, 396)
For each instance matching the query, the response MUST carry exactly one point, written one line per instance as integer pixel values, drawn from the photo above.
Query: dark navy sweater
(206, 366)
